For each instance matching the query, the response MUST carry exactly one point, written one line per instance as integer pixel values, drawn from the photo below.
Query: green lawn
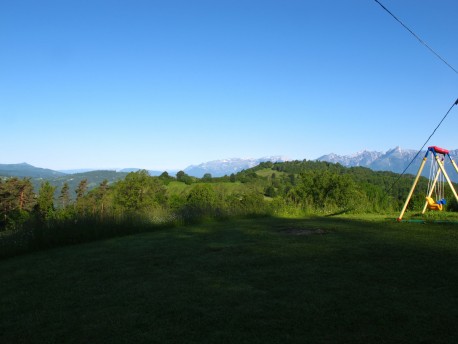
(267, 280)
(174, 188)
(267, 172)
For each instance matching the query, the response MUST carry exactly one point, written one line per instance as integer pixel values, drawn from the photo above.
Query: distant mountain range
(219, 168)
(216, 168)
(394, 160)
(95, 177)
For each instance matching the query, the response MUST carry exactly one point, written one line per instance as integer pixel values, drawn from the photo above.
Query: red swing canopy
(439, 150)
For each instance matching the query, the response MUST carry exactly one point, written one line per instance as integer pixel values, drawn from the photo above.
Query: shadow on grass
(342, 212)
(241, 280)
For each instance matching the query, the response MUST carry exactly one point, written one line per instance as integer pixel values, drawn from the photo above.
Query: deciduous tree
(139, 191)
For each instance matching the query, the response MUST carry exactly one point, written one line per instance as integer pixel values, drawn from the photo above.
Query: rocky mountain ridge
(394, 160)
(219, 168)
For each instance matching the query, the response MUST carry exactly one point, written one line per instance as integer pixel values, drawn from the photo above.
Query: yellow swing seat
(432, 205)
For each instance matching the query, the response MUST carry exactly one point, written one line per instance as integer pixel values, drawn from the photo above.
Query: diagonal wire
(424, 144)
(416, 36)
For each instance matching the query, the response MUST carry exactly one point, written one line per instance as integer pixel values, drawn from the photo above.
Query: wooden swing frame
(436, 151)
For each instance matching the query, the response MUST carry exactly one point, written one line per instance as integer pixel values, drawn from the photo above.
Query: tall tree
(183, 177)
(26, 195)
(166, 178)
(16, 199)
(100, 196)
(81, 189)
(45, 200)
(80, 193)
(180, 175)
(7, 199)
(64, 197)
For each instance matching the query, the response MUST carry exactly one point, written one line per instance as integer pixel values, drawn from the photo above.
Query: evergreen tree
(81, 189)
(64, 197)
(45, 201)
(16, 200)
(26, 195)
(80, 193)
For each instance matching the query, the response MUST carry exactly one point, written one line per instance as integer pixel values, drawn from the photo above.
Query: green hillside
(26, 170)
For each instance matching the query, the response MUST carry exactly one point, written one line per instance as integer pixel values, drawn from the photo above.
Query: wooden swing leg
(453, 163)
(413, 187)
(441, 166)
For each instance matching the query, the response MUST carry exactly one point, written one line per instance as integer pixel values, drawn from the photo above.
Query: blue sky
(165, 84)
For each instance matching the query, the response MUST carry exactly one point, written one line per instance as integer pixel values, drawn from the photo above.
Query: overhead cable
(417, 37)
(424, 144)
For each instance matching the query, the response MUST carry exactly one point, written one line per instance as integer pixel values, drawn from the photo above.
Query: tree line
(140, 200)
(295, 186)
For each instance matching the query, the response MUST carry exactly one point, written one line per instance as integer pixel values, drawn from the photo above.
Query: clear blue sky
(165, 84)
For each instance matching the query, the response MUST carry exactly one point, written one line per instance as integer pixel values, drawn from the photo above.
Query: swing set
(437, 178)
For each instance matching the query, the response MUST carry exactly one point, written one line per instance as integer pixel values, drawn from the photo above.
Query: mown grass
(267, 172)
(177, 188)
(264, 280)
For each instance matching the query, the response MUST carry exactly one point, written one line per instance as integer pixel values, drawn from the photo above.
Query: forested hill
(277, 178)
(26, 170)
(297, 167)
(382, 189)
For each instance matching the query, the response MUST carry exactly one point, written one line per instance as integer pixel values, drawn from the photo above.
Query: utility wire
(424, 144)
(445, 116)
(416, 36)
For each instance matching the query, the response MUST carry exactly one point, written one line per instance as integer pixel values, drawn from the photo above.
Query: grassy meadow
(347, 279)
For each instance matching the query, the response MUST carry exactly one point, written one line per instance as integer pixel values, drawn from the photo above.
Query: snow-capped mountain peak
(362, 158)
(218, 168)
(394, 160)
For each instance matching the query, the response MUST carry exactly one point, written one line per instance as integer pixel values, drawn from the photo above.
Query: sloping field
(316, 280)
